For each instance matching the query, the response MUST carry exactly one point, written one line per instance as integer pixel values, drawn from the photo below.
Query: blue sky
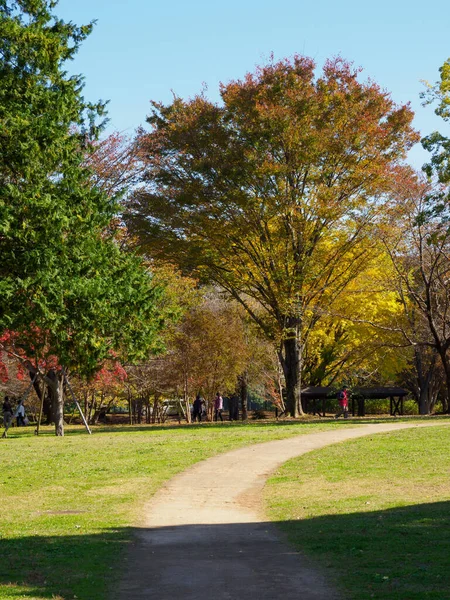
(141, 50)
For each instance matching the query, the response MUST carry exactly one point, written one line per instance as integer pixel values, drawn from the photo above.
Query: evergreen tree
(67, 289)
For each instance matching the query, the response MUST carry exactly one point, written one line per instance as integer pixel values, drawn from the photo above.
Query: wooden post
(361, 407)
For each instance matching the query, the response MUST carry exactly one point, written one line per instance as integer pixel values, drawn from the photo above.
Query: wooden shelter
(314, 399)
(396, 396)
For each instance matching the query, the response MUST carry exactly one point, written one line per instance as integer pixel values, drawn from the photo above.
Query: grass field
(67, 504)
(373, 512)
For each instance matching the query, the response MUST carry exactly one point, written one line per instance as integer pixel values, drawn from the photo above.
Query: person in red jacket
(343, 403)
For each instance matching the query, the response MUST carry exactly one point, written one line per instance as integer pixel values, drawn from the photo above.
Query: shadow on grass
(123, 428)
(301, 423)
(400, 553)
(66, 566)
(306, 422)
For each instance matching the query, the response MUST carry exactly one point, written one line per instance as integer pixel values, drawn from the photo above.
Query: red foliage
(4, 376)
(110, 375)
(21, 372)
(115, 163)
(11, 343)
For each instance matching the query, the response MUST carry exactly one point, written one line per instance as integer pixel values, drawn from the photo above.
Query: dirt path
(203, 535)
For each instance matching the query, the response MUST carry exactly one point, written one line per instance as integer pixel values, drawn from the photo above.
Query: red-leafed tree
(101, 391)
(115, 162)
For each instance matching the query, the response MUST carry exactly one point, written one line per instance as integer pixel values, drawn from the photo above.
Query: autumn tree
(146, 386)
(157, 378)
(13, 378)
(417, 238)
(99, 392)
(271, 193)
(419, 246)
(69, 295)
(357, 340)
(209, 349)
(114, 162)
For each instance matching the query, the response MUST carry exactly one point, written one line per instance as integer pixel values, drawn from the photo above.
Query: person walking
(198, 408)
(233, 408)
(343, 403)
(218, 407)
(7, 415)
(20, 415)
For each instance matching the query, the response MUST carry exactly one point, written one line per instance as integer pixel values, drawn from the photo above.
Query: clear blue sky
(140, 50)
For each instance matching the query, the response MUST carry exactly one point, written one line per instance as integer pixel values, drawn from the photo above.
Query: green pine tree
(67, 289)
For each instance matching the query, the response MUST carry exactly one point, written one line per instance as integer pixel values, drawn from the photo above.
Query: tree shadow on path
(396, 554)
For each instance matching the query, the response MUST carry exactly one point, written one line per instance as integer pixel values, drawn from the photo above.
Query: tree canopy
(272, 193)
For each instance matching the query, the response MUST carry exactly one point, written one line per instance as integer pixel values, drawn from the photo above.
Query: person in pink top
(343, 403)
(218, 407)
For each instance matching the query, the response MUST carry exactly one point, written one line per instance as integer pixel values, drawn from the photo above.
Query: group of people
(9, 413)
(199, 408)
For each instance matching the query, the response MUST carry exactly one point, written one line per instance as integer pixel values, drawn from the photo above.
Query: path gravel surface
(204, 536)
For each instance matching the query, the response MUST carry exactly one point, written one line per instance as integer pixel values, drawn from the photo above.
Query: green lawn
(67, 505)
(373, 512)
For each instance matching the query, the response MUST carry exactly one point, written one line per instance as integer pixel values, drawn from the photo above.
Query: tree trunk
(280, 390)
(243, 392)
(186, 400)
(423, 402)
(155, 412)
(446, 364)
(423, 392)
(147, 410)
(130, 409)
(447, 379)
(86, 403)
(91, 407)
(55, 382)
(45, 401)
(291, 363)
(138, 406)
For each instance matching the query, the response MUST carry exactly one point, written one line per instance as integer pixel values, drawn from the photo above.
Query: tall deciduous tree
(66, 288)
(271, 193)
(421, 252)
(437, 143)
(418, 242)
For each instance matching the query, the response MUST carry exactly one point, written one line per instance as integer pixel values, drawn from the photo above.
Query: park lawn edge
(364, 509)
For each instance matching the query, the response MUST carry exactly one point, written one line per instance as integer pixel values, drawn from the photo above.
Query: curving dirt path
(203, 535)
